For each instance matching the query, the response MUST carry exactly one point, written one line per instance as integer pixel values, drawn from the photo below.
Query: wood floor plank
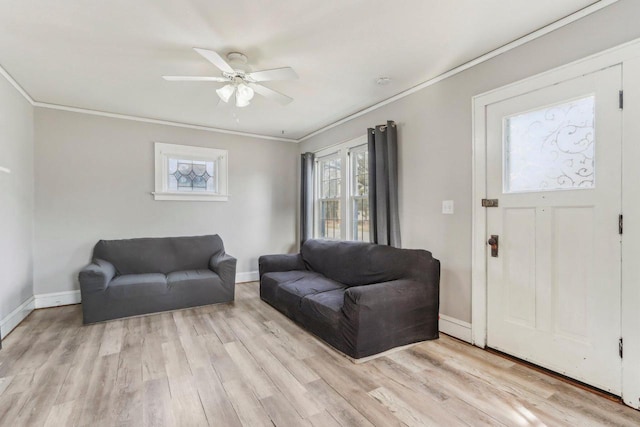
(221, 328)
(195, 349)
(4, 384)
(296, 366)
(337, 405)
(61, 415)
(244, 363)
(48, 381)
(358, 397)
(202, 325)
(185, 402)
(112, 340)
(286, 383)
(153, 362)
(283, 412)
(100, 396)
(175, 359)
(407, 414)
(156, 407)
(251, 371)
(76, 382)
(217, 406)
(10, 407)
(223, 364)
(246, 405)
(324, 419)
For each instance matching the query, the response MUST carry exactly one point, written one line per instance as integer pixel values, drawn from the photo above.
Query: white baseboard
(16, 316)
(456, 328)
(249, 276)
(57, 299)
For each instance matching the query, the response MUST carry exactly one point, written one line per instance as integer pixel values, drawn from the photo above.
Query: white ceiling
(110, 55)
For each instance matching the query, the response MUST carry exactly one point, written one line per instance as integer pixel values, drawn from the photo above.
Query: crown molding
(159, 122)
(487, 56)
(479, 60)
(15, 84)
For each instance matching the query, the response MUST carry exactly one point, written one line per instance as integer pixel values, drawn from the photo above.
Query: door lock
(493, 242)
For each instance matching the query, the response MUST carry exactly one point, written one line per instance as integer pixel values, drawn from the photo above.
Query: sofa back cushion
(361, 263)
(159, 255)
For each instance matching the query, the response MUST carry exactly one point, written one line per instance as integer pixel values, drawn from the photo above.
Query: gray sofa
(361, 298)
(140, 276)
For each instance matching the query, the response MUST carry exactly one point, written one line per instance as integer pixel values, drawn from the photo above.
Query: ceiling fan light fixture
(244, 95)
(226, 92)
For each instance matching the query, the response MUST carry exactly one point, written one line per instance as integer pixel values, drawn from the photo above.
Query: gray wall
(94, 177)
(16, 199)
(435, 137)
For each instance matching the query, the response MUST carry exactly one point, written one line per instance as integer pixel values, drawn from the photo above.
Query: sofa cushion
(285, 289)
(191, 277)
(269, 282)
(361, 263)
(131, 286)
(159, 255)
(324, 309)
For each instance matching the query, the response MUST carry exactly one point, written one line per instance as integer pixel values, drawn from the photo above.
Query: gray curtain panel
(383, 185)
(306, 197)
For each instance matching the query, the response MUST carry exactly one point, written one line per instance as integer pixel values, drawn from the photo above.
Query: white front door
(554, 164)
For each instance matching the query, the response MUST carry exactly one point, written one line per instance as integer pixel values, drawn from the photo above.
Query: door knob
(493, 242)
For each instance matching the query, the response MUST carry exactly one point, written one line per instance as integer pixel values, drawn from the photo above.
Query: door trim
(626, 53)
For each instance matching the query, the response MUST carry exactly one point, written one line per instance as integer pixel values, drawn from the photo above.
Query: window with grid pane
(330, 188)
(360, 193)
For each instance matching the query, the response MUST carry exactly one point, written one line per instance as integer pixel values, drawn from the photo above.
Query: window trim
(164, 151)
(341, 151)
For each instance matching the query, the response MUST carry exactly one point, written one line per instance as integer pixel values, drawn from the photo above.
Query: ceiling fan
(239, 79)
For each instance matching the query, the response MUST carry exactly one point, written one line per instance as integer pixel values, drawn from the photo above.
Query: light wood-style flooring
(245, 364)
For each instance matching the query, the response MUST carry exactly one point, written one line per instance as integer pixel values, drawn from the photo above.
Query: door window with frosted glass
(551, 148)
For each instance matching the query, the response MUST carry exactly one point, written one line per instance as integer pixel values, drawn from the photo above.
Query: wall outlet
(447, 207)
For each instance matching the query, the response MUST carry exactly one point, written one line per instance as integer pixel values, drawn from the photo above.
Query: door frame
(628, 56)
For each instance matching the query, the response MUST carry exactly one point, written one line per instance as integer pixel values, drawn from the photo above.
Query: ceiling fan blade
(270, 93)
(195, 79)
(285, 73)
(215, 59)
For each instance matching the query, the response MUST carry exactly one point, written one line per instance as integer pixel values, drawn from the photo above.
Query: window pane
(360, 224)
(330, 178)
(330, 219)
(360, 173)
(191, 175)
(552, 148)
(359, 194)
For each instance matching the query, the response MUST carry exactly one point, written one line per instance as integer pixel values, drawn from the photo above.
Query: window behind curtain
(342, 192)
(330, 189)
(359, 214)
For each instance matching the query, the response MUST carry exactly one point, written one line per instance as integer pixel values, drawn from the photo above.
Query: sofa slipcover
(361, 298)
(140, 276)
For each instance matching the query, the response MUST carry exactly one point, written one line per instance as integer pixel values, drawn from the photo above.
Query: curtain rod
(383, 127)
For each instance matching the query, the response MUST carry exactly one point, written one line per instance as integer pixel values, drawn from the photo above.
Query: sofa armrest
(384, 315)
(224, 265)
(96, 276)
(284, 262)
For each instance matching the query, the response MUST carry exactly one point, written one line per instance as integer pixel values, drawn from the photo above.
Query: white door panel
(554, 163)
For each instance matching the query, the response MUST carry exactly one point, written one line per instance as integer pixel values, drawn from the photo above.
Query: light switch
(447, 207)
(5, 170)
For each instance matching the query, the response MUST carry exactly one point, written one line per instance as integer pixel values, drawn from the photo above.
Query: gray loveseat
(140, 276)
(361, 298)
